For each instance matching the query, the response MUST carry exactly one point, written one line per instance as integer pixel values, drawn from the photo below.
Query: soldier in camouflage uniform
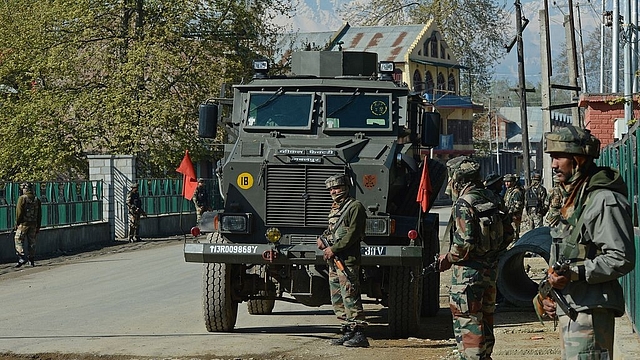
(201, 199)
(134, 204)
(535, 202)
(480, 232)
(554, 204)
(514, 201)
(347, 223)
(596, 236)
(28, 221)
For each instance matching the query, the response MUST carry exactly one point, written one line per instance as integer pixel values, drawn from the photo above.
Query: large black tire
(220, 310)
(404, 301)
(259, 306)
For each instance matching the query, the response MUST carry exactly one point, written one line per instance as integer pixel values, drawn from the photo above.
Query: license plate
(373, 250)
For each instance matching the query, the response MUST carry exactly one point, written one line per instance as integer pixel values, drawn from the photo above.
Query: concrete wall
(62, 240)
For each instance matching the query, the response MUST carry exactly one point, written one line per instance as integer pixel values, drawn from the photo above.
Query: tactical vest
(336, 217)
(488, 217)
(30, 209)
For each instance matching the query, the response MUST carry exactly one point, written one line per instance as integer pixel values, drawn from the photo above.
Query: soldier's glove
(443, 263)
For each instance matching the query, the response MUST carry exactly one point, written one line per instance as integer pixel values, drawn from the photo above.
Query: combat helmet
(337, 180)
(463, 169)
(509, 178)
(26, 186)
(572, 140)
(536, 176)
(492, 179)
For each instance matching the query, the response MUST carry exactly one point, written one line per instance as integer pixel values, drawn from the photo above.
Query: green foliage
(118, 77)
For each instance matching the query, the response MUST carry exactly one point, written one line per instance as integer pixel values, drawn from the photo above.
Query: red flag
(189, 181)
(424, 191)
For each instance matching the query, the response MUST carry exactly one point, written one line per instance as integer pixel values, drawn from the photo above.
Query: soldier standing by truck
(480, 232)
(201, 199)
(28, 220)
(594, 243)
(347, 222)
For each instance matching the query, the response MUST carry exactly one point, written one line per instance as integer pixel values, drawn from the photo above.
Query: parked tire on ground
(404, 301)
(513, 282)
(220, 310)
(262, 306)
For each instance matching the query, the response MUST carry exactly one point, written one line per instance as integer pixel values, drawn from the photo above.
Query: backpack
(31, 209)
(490, 219)
(533, 197)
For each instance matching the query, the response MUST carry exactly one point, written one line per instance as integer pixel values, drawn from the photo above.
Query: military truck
(338, 113)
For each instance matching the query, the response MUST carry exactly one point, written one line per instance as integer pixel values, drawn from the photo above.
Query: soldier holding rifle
(594, 239)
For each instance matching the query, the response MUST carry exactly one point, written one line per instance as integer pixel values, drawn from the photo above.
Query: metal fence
(623, 155)
(164, 196)
(63, 203)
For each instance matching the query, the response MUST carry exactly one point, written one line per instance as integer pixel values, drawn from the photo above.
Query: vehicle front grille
(296, 195)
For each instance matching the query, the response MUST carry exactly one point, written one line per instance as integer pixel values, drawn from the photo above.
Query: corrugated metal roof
(392, 43)
(534, 118)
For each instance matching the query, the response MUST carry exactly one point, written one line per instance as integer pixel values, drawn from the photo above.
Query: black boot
(21, 261)
(358, 339)
(31, 261)
(347, 335)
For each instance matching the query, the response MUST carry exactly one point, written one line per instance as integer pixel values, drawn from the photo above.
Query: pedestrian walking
(594, 239)
(134, 204)
(28, 221)
(341, 246)
(480, 233)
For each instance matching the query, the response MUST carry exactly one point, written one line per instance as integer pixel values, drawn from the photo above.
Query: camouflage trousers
(345, 296)
(534, 219)
(472, 300)
(590, 337)
(28, 233)
(134, 225)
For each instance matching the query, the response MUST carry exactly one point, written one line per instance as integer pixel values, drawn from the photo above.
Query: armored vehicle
(339, 113)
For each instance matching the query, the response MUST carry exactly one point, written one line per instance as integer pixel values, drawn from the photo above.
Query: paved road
(146, 303)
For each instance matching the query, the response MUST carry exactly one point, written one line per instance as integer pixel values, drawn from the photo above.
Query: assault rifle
(337, 260)
(434, 267)
(548, 291)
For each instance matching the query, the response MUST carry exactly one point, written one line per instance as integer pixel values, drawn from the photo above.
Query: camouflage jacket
(28, 210)
(514, 201)
(350, 232)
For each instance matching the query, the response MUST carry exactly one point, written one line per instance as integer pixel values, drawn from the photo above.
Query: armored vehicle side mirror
(208, 120)
(430, 136)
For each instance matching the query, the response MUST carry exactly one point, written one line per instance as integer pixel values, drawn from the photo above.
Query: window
(442, 53)
(417, 81)
(279, 109)
(428, 82)
(358, 111)
(452, 84)
(462, 131)
(442, 87)
(397, 75)
(434, 45)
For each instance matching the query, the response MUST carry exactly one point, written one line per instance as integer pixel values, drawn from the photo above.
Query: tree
(474, 30)
(118, 77)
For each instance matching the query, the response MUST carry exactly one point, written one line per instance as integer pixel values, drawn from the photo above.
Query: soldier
(494, 183)
(554, 204)
(135, 210)
(514, 201)
(347, 223)
(480, 232)
(201, 199)
(595, 237)
(535, 200)
(28, 221)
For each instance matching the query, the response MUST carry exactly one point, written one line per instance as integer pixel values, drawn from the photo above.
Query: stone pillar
(116, 172)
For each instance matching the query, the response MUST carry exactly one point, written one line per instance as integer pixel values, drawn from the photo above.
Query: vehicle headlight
(235, 223)
(377, 226)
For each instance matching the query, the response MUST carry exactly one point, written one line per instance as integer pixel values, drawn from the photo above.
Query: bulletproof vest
(532, 197)
(336, 217)
(488, 217)
(30, 209)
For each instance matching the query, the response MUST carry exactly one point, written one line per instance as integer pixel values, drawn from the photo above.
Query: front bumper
(384, 255)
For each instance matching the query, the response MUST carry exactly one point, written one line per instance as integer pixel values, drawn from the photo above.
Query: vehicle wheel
(404, 301)
(261, 306)
(220, 310)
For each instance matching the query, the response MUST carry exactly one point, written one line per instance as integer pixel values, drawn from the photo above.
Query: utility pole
(628, 72)
(545, 87)
(489, 127)
(602, 33)
(615, 46)
(583, 67)
(570, 34)
(522, 90)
